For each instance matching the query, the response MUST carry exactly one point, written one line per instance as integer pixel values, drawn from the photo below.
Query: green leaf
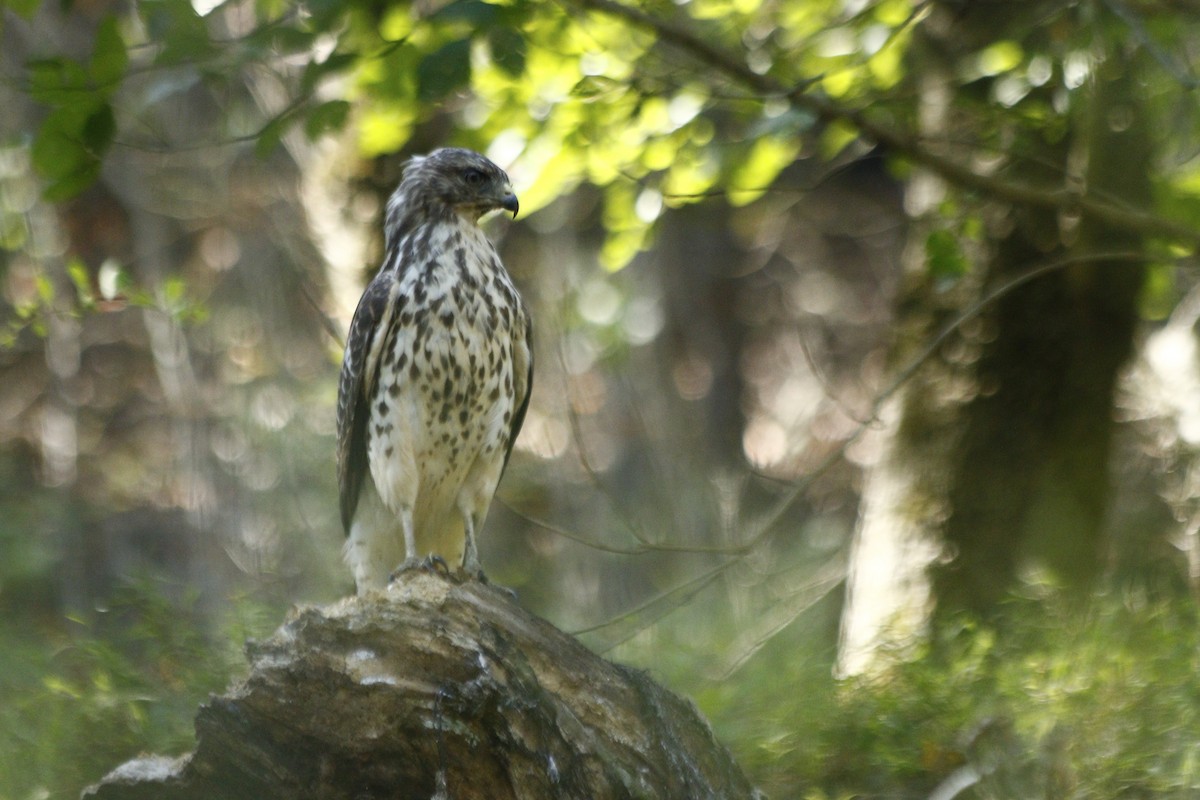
(326, 117)
(1159, 294)
(315, 71)
(68, 146)
(98, 130)
(285, 40)
(766, 158)
(82, 281)
(182, 33)
(999, 57)
(45, 289)
(58, 149)
(174, 292)
(477, 13)
(270, 136)
(836, 137)
(109, 57)
(57, 81)
(444, 70)
(14, 235)
(395, 76)
(593, 87)
(944, 257)
(326, 13)
(508, 50)
(70, 185)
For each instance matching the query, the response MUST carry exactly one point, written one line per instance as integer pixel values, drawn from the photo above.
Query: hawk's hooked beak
(509, 203)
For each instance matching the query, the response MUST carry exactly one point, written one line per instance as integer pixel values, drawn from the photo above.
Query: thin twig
(586, 462)
(558, 530)
(766, 526)
(688, 589)
(906, 374)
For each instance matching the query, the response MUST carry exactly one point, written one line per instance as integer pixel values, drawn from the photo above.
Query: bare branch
(899, 142)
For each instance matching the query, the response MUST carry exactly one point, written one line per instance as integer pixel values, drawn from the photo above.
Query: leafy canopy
(564, 93)
(658, 103)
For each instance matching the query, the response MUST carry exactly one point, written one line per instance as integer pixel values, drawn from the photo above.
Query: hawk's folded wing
(523, 385)
(360, 372)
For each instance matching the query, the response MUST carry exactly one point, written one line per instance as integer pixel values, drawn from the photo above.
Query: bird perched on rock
(436, 376)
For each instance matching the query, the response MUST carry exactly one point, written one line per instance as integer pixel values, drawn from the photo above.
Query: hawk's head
(462, 180)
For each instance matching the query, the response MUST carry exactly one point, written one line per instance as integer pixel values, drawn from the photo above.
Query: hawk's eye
(474, 177)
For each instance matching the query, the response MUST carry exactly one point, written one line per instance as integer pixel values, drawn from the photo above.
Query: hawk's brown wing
(360, 373)
(523, 390)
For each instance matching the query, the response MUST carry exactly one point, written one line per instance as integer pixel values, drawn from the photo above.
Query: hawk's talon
(432, 563)
(483, 579)
(436, 564)
(407, 565)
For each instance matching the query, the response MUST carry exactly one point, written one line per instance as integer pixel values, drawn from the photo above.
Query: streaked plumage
(436, 376)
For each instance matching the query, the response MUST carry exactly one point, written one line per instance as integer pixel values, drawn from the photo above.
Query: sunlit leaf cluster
(70, 144)
(561, 93)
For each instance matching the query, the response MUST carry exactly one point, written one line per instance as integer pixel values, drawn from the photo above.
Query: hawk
(436, 376)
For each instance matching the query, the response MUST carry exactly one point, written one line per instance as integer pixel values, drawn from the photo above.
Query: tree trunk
(996, 456)
(903, 506)
(436, 690)
(1032, 479)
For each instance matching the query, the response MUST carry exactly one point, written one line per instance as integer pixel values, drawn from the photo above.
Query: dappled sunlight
(543, 436)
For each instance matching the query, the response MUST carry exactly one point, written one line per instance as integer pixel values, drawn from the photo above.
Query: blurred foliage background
(867, 397)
